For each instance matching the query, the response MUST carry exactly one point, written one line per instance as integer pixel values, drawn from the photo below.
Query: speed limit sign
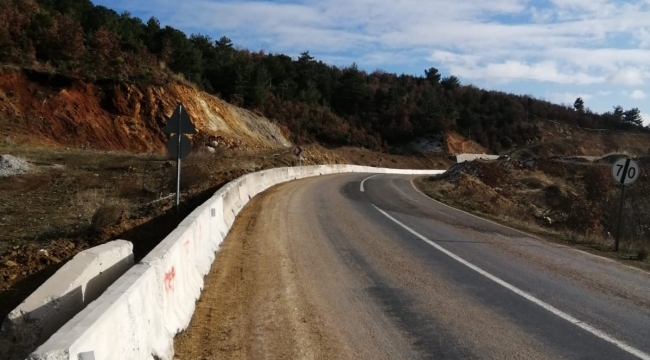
(626, 171)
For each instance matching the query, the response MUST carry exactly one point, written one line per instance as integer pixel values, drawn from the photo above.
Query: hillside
(316, 102)
(557, 139)
(40, 108)
(573, 201)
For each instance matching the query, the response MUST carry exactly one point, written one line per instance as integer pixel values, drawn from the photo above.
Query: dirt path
(252, 306)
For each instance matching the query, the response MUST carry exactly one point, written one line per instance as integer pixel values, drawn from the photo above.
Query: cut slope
(47, 109)
(456, 143)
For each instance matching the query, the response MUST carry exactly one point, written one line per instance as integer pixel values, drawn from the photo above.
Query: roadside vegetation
(316, 102)
(572, 201)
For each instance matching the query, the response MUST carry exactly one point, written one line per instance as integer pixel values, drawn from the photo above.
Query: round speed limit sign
(626, 171)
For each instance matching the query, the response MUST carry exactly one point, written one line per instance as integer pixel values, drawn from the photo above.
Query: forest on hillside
(314, 100)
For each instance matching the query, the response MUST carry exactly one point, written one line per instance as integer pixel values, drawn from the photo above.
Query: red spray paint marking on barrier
(169, 279)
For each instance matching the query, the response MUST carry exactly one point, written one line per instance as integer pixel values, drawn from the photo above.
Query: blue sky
(553, 49)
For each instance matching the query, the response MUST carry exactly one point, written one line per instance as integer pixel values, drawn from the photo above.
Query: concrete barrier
(206, 233)
(257, 182)
(178, 278)
(127, 323)
(79, 282)
(242, 183)
(279, 175)
(231, 201)
(470, 157)
(268, 178)
(139, 315)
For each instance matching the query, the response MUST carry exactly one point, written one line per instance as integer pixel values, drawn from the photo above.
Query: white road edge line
(620, 344)
(364, 180)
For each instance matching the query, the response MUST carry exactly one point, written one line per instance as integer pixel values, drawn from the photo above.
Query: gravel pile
(11, 165)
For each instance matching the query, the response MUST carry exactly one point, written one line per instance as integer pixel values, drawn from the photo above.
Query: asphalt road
(360, 267)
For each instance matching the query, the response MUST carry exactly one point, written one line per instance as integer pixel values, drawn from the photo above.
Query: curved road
(365, 267)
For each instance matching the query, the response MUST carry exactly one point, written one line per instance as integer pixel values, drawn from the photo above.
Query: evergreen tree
(579, 105)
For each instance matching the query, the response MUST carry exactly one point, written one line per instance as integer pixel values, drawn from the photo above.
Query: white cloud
(637, 95)
(566, 43)
(569, 42)
(469, 66)
(604, 93)
(643, 37)
(646, 118)
(628, 76)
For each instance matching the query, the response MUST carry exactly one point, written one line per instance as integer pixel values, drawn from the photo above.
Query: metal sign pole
(180, 147)
(298, 153)
(625, 172)
(620, 215)
(178, 161)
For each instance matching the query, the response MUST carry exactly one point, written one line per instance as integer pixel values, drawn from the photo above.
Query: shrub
(106, 215)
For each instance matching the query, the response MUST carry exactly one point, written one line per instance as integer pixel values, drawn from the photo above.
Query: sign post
(179, 145)
(298, 153)
(625, 172)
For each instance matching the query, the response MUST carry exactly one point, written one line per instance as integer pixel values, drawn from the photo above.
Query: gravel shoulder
(252, 306)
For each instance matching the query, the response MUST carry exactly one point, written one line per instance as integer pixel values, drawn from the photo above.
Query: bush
(106, 215)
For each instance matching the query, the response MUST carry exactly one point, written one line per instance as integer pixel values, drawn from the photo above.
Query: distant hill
(316, 102)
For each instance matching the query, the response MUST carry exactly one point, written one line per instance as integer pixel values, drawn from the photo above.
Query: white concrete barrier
(268, 178)
(279, 175)
(80, 281)
(139, 315)
(244, 192)
(231, 201)
(207, 235)
(178, 278)
(470, 157)
(126, 323)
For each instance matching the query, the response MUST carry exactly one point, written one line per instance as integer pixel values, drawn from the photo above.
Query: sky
(555, 50)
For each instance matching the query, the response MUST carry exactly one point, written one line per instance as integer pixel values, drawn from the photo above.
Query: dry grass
(96, 196)
(443, 191)
(108, 214)
(637, 249)
(593, 241)
(62, 193)
(528, 197)
(99, 208)
(537, 180)
(86, 202)
(79, 158)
